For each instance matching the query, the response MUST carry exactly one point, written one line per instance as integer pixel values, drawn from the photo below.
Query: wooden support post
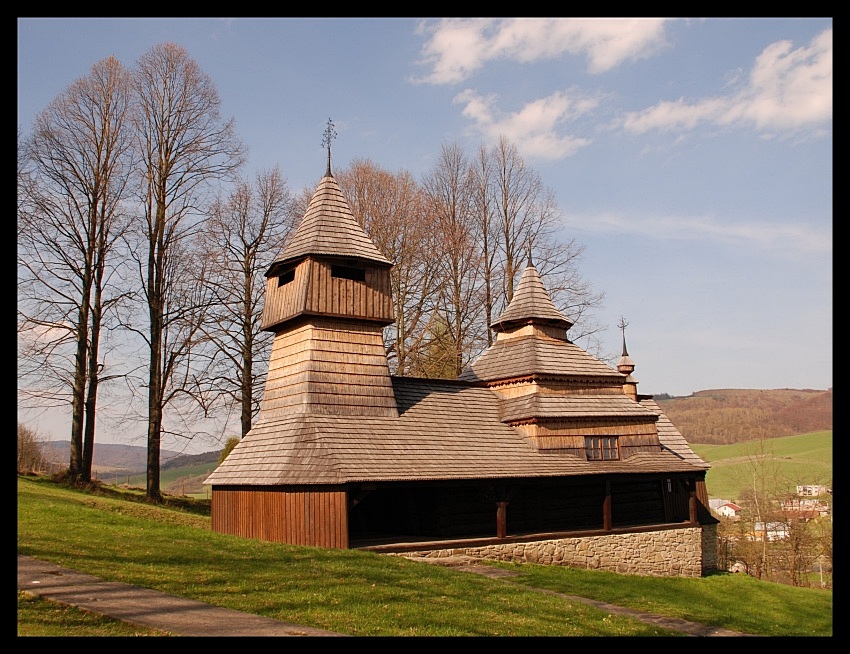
(501, 519)
(692, 501)
(606, 508)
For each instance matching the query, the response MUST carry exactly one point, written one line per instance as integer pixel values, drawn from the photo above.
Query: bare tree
(184, 145)
(459, 252)
(518, 191)
(822, 527)
(519, 216)
(79, 150)
(242, 236)
(30, 457)
(483, 191)
(761, 515)
(450, 190)
(392, 210)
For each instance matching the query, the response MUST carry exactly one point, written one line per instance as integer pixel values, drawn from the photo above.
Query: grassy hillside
(725, 416)
(800, 459)
(182, 480)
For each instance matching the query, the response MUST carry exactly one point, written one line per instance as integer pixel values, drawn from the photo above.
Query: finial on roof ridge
(530, 262)
(329, 135)
(622, 325)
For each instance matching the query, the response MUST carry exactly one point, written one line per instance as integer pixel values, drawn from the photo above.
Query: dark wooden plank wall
(637, 502)
(677, 496)
(347, 297)
(290, 515)
(569, 437)
(284, 302)
(316, 291)
(564, 506)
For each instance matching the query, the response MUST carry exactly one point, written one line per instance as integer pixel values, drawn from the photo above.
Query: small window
(347, 272)
(601, 448)
(285, 277)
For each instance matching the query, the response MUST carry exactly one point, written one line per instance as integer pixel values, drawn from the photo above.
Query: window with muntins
(601, 448)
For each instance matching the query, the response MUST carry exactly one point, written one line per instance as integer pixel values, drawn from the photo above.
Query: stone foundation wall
(687, 552)
(710, 548)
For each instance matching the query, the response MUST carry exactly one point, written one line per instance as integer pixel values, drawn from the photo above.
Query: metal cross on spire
(329, 135)
(622, 325)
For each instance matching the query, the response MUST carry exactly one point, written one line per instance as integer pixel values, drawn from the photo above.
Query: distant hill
(110, 457)
(726, 416)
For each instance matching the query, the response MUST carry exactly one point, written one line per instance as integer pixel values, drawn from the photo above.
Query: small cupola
(531, 308)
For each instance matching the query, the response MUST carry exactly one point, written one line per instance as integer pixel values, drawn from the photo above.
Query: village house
(728, 510)
(538, 452)
(813, 490)
(804, 509)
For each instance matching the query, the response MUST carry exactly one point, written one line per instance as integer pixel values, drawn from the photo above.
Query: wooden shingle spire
(530, 304)
(329, 228)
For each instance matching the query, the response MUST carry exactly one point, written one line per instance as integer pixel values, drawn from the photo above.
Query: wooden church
(538, 451)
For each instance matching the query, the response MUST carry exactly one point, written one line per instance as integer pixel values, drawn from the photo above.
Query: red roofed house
(537, 452)
(729, 510)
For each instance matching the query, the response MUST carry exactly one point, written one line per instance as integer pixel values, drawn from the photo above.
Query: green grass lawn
(366, 594)
(42, 617)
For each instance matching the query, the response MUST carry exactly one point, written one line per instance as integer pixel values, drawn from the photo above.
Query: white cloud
(786, 89)
(457, 47)
(798, 237)
(39, 335)
(533, 129)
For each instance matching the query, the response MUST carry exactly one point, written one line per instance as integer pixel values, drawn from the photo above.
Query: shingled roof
(328, 229)
(572, 407)
(535, 354)
(541, 356)
(670, 438)
(445, 430)
(531, 302)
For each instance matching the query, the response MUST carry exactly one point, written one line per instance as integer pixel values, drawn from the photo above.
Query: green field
(800, 459)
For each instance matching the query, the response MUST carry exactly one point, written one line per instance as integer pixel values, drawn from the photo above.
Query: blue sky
(692, 158)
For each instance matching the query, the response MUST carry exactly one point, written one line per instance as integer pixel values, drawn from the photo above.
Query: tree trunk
(75, 465)
(155, 377)
(247, 378)
(94, 381)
